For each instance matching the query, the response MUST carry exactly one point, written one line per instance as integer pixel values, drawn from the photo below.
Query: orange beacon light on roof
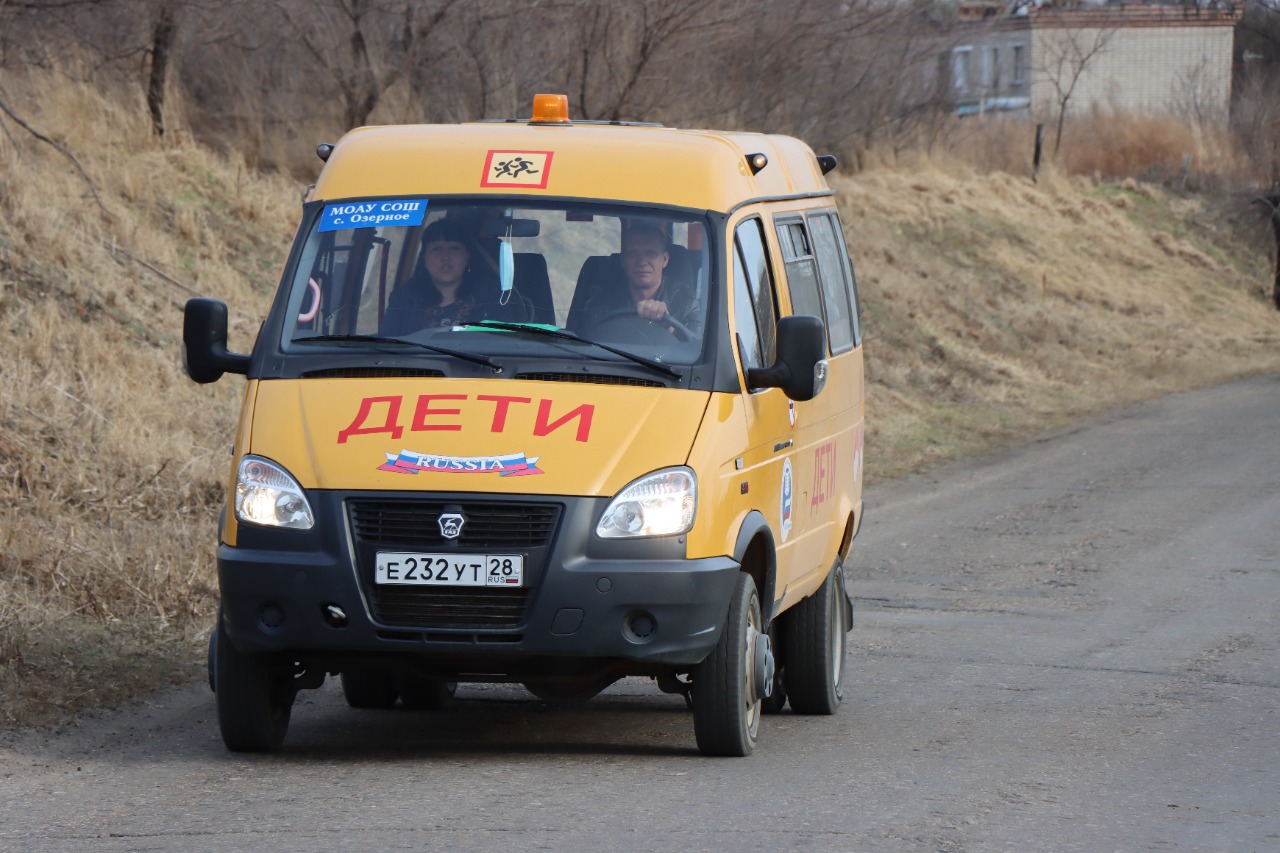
(550, 109)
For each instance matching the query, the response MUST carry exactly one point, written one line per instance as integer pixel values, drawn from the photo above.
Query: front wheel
(726, 699)
(255, 700)
(815, 645)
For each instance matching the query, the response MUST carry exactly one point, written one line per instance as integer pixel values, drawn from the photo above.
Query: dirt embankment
(994, 308)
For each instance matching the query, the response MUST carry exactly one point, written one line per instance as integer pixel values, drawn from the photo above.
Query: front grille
(491, 527)
(488, 525)
(451, 608)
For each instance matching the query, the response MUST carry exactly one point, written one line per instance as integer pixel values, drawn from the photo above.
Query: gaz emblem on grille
(451, 524)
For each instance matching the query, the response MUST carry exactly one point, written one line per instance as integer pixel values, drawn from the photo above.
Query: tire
(254, 699)
(814, 634)
(726, 703)
(213, 644)
(425, 694)
(369, 689)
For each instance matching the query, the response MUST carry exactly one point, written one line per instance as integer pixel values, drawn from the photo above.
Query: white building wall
(1143, 69)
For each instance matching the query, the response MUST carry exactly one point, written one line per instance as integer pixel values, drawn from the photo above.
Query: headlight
(658, 504)
(266, 494)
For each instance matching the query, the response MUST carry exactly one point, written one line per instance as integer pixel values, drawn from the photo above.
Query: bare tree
(483, 55)
(843, 74)
(1196, 100)
(163, 35)
(1062, 60)
(1255, 112)
(616, 59)
(1259, 30)
(637, 50)
(1256, 106)
(365, 46)
(1270, 203)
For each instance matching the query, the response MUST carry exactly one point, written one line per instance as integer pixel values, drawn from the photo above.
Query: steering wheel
(629, 326)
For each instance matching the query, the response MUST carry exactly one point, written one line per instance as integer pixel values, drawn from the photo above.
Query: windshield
(430, 273)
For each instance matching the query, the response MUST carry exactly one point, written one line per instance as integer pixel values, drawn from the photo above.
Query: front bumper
(639, 601)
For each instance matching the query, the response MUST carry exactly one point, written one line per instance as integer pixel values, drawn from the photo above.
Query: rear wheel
(777, 698)
(815, 643)
(254, 698)
(369, 689)
(726, 700)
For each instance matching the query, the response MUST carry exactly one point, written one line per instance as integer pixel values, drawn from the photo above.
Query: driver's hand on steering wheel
(651, 309)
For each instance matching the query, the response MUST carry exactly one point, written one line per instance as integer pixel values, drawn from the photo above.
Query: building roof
(1127, 17)
(1081, 16)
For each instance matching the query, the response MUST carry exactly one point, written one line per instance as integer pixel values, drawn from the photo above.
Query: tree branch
(38, 135)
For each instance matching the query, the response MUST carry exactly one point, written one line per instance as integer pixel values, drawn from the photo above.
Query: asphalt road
(1073, 646)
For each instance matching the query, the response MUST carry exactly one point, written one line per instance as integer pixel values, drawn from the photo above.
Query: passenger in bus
(443, 290)
(651, 292)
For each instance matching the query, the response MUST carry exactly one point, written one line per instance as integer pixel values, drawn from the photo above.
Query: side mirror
(801, 367)
(204, 342)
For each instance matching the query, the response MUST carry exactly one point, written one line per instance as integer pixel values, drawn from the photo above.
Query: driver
(650, 292)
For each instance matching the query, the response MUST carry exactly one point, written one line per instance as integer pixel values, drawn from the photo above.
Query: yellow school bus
(548, 402)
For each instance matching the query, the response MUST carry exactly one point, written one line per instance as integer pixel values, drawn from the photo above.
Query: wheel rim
(836, 621)
(751, 696)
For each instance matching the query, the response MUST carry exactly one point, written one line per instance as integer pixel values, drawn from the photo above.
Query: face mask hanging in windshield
(506, 267)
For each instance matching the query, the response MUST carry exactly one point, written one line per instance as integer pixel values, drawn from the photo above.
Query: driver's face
(643, 260)
(446, 261)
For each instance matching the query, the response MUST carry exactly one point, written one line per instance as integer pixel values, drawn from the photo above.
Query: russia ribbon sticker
(511, 465)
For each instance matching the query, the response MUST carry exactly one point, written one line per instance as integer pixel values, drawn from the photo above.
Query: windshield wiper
(472, 357)
(567, 335)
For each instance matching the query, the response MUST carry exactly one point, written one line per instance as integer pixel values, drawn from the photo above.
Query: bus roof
(649, 164)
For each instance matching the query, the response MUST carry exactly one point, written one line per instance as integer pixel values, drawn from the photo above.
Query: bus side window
(802, 272)
(841, 322)
(755, 309)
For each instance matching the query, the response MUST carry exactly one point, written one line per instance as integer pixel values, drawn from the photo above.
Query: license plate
(415, 569)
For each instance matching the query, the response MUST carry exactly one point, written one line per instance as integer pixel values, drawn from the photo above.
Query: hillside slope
(997, 306)
(994, 308)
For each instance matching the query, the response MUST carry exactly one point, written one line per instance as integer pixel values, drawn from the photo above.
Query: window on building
(1019, 63)
(961, 59)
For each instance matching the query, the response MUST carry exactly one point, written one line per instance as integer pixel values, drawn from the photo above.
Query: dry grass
(995, 307)
(1108, 145)
(1153, 148)
(111, 461)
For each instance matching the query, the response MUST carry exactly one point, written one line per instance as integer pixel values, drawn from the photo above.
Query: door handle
(782, 445)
